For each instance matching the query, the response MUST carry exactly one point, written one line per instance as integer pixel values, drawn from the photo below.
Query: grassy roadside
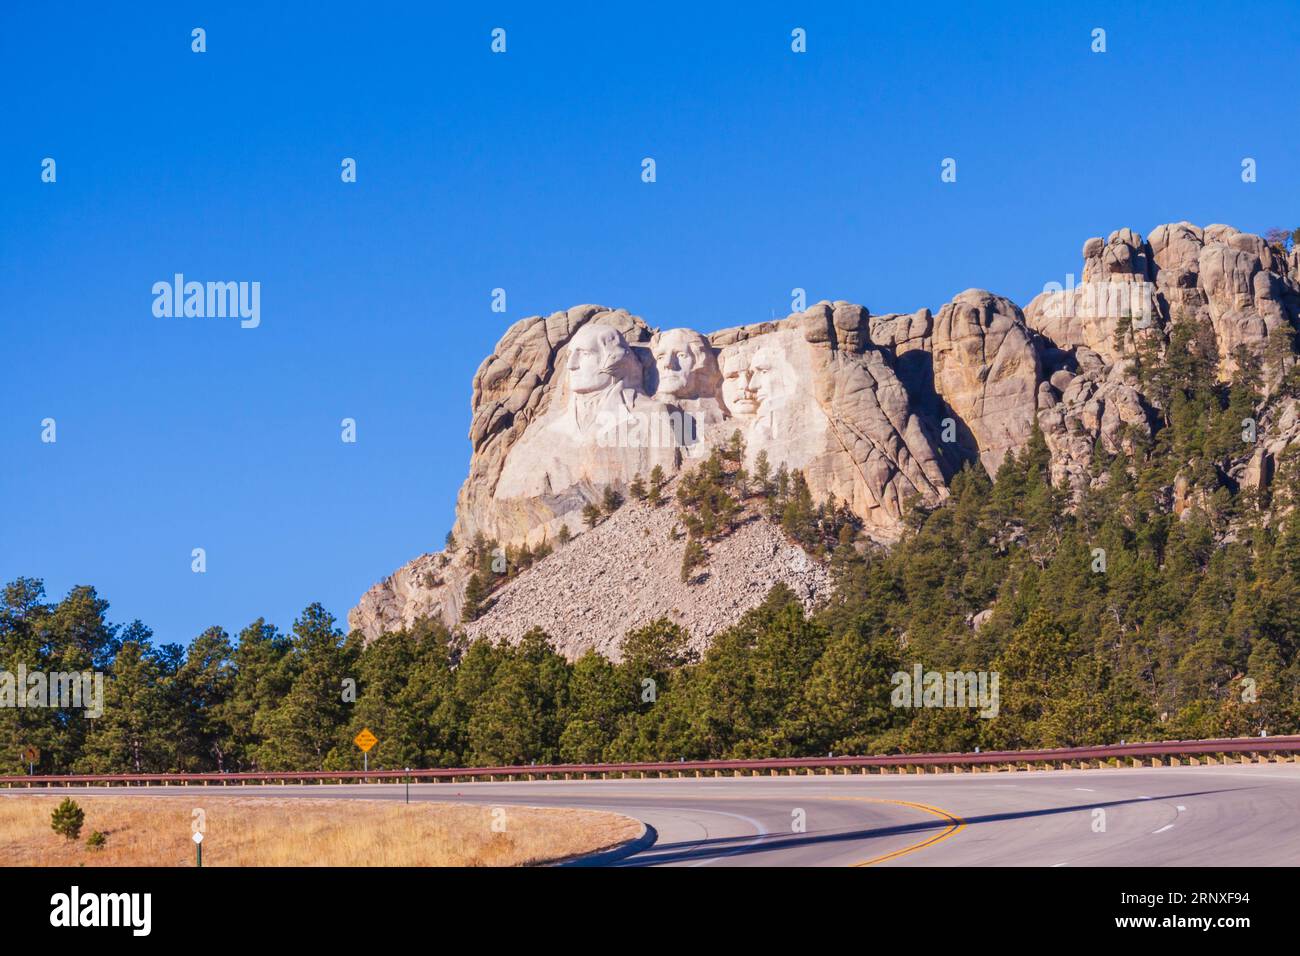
(282, 831)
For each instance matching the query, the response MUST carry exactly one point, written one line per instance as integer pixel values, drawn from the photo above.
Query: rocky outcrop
(1115, 300)
(987, 370)
(432, 585)
(875, 410)
(1093, 403)
(836, 409)
(1232, 281)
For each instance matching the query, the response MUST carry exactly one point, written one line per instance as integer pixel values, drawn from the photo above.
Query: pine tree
(799, 514)
(309, 721)
(520, 716)
(476, 593)
(68, 819)
(693, 557)
(598, 704)
(260, 682)
(200, 693)
(138, 731)
(763, 474)
(734, 451)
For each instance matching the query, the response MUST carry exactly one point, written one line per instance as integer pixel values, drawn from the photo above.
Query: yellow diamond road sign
(365, 740)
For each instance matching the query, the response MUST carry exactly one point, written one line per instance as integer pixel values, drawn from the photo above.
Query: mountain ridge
(879, 412)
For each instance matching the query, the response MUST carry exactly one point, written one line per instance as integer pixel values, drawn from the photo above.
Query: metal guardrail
(1173, 752)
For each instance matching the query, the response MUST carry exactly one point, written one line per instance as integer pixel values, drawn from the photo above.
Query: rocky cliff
(875, 411)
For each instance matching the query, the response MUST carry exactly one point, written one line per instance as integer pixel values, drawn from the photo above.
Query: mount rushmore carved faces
(621, 409)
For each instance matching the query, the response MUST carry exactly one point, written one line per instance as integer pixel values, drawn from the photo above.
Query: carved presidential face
(736, 388)
(686, 365)
(756, 381)
(767, 378)
(599, 357)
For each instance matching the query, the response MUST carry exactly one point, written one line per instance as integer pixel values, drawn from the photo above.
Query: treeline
(1133, 653)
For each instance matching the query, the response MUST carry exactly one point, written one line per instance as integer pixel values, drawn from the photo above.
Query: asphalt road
(1235, 815)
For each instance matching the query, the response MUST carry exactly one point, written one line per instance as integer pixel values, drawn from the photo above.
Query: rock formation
(987, 370)
(874, 410)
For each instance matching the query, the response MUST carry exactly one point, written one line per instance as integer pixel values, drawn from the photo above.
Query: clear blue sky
(522, 171)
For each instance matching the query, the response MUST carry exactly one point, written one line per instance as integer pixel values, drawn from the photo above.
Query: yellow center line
(955, 824)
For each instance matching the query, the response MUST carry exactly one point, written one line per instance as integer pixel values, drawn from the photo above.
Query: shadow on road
(746, 844)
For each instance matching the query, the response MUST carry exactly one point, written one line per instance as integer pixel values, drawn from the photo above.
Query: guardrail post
(1157, 762)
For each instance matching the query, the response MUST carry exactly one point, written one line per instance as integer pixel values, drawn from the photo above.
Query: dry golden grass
(285, 831)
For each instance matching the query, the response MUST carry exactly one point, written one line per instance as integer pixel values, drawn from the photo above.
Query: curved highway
(1232, 815)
